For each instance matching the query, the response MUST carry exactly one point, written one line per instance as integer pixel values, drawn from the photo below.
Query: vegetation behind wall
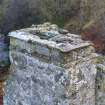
(70, 14)
(16, 14)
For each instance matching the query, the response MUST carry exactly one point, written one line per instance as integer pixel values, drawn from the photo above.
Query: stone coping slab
(50, 36)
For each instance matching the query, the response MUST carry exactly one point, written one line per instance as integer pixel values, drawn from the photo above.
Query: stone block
(57, 70)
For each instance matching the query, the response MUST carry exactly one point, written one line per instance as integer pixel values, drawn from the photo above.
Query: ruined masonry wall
(43, 74)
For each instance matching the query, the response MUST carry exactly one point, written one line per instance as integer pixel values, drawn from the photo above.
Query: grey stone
(44, 73)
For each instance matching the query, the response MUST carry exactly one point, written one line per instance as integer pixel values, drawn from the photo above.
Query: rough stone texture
(100, 82)
(50, 66)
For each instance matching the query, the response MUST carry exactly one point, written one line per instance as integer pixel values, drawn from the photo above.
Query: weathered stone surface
(50, 71)
(100, 81)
